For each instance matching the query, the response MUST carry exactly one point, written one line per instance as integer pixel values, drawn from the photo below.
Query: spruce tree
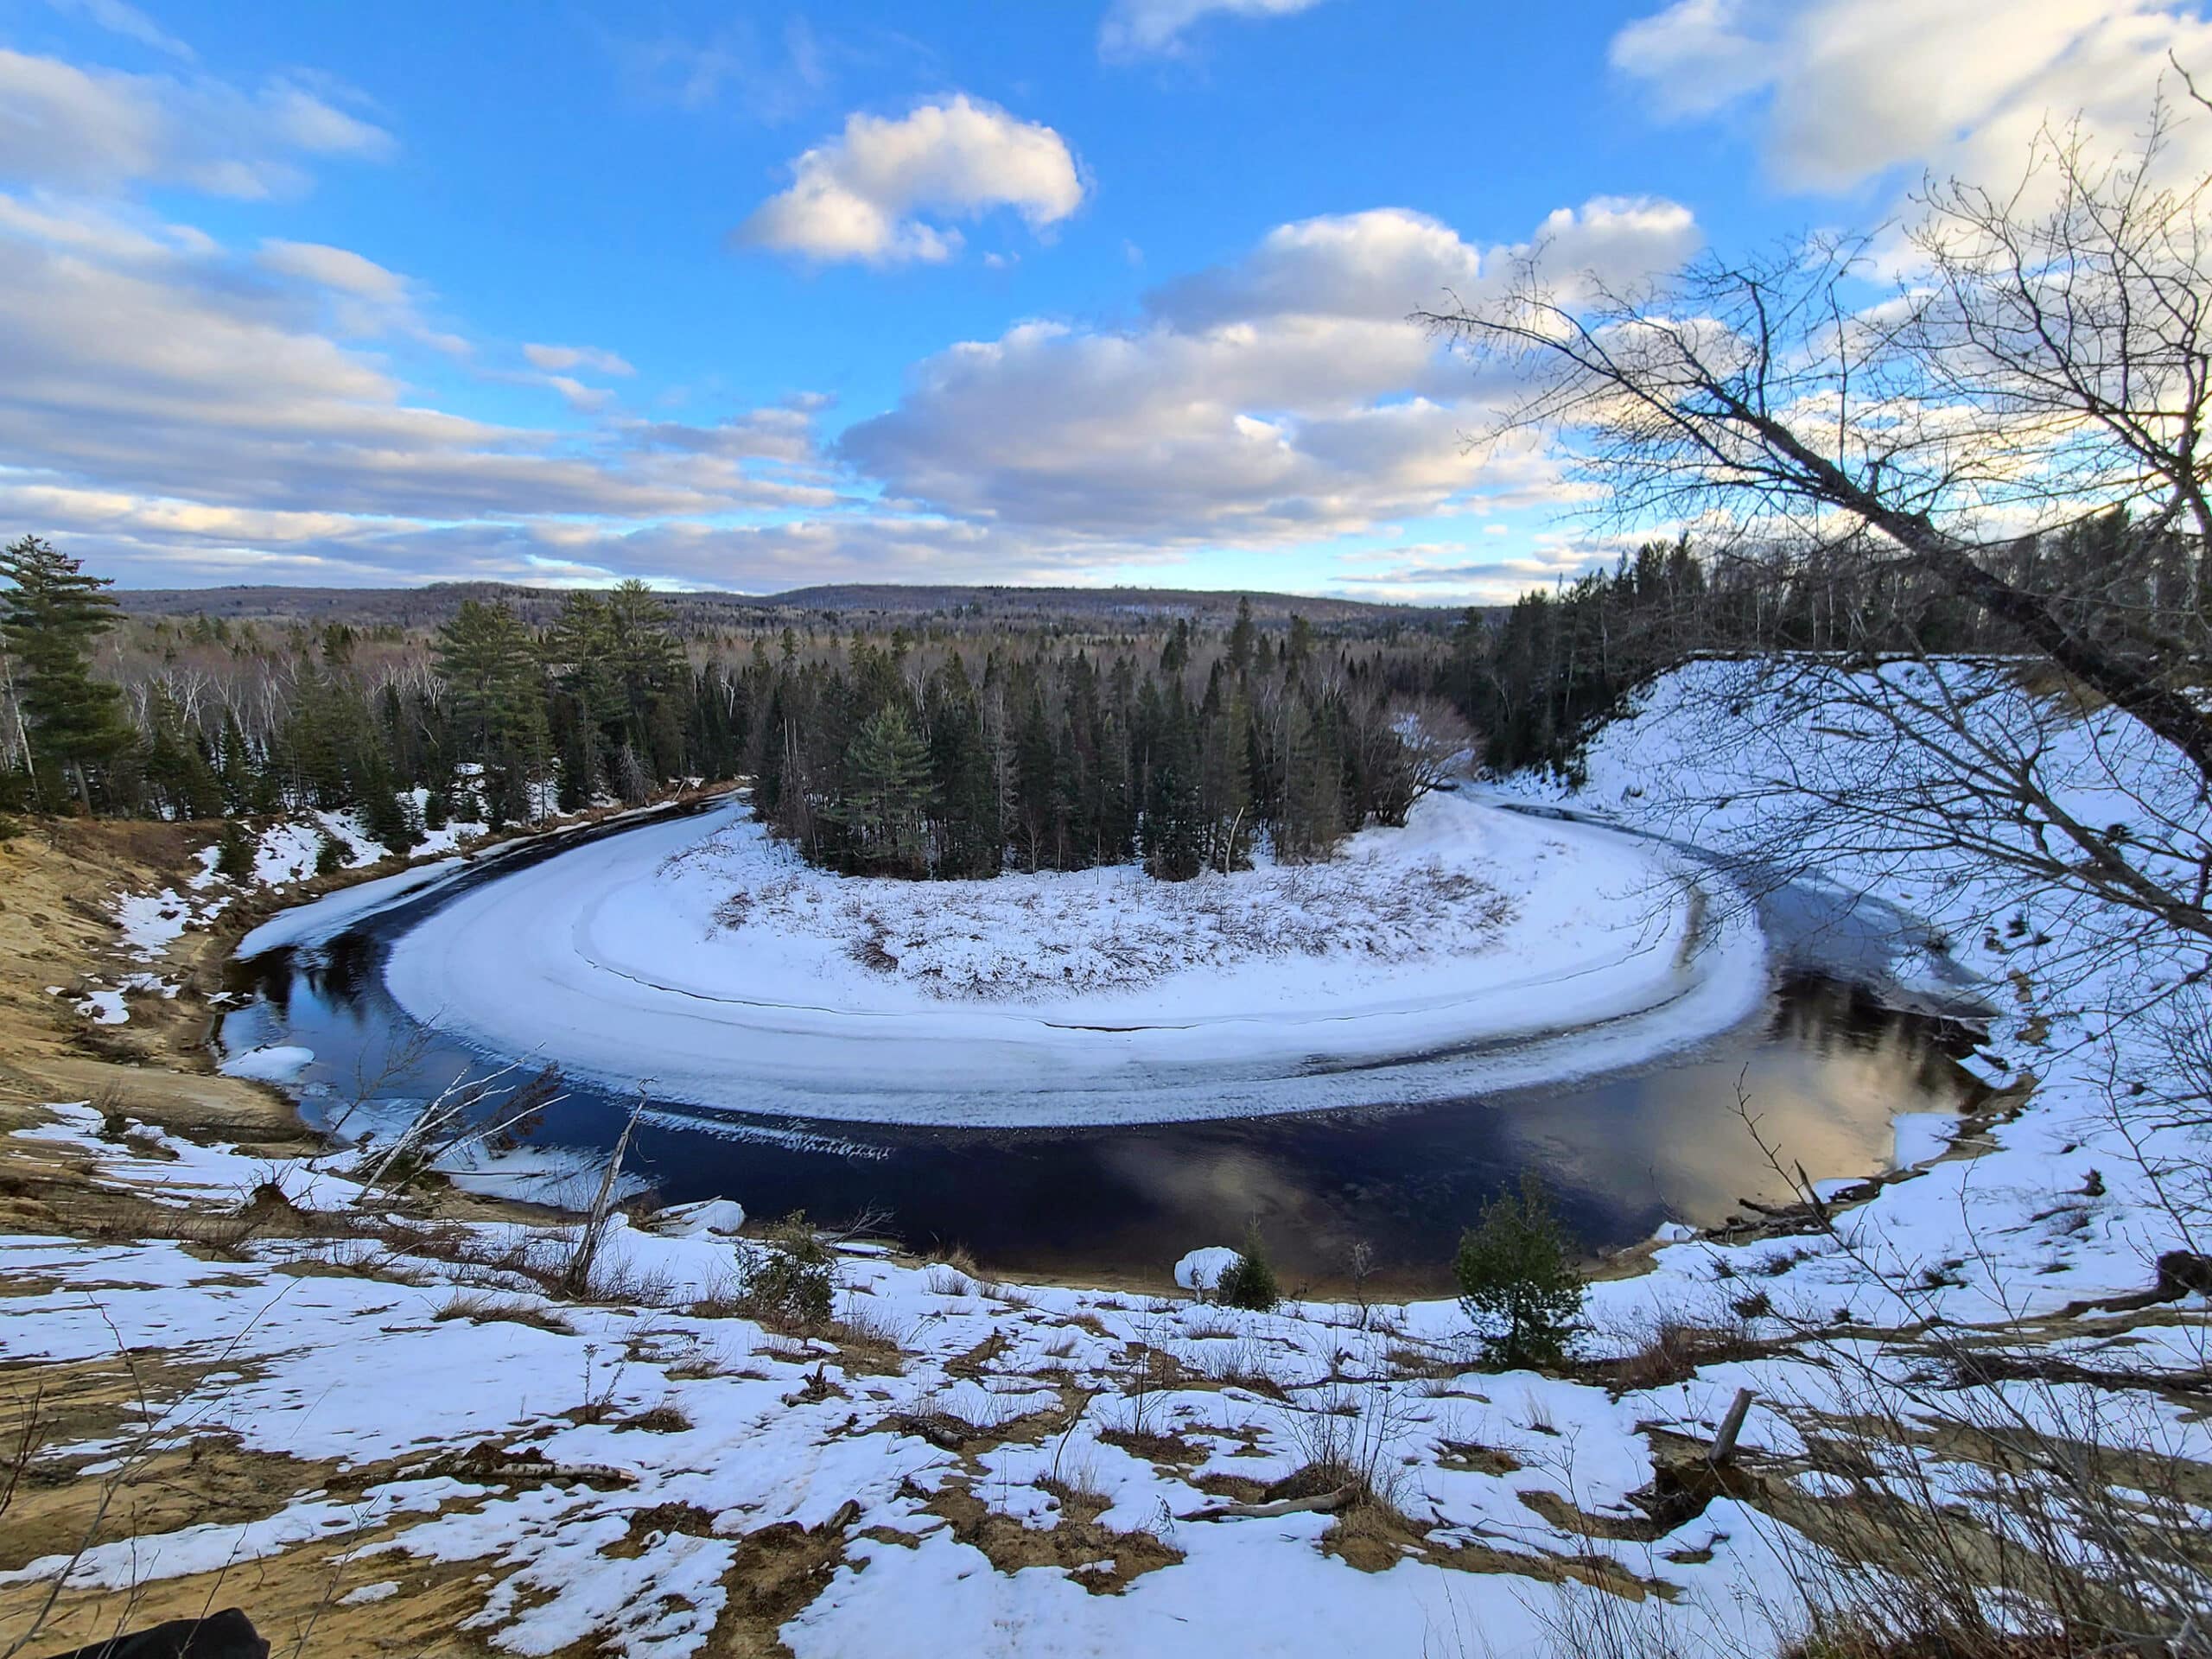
(1249, 1280)
(970, 839)
(887, 789)
(1518, 1283)
(234, 852)
(1241, 639)
(51, 615)
(235, 772)
(177, 772)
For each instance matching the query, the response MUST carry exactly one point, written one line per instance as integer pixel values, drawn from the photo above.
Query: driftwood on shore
(1320, 1504)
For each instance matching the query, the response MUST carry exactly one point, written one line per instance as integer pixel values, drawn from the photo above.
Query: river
(1826, 1068)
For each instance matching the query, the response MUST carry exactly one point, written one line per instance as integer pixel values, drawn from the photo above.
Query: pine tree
(177, 772)
(1174, 829)
(1241, 639)
(1249, 1280)
(1516, 1281)
(491, 665)
(236, 772)
(50, 617)
(1312, 802)
(1036, 786)
(886, 790)
(970, 839)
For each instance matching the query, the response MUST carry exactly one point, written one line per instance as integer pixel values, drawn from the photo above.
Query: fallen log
(1321, 1504)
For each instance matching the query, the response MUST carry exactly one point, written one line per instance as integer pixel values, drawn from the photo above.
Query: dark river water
(1825, 1069)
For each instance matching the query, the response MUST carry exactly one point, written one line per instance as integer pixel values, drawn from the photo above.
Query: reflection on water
(1822, 1080)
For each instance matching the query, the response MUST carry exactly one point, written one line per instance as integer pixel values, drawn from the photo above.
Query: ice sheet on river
(1378, 978)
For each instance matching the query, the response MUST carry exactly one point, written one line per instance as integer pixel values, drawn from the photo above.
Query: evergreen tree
(51, 615)
(491, 666)
(235, 772)
(1241, 640)
(1175, 828)
(1036, 787)
(1516, 1281)
(176, 769)
(886, 790)
(1249, 1280)
(234, 852)
(1313, 801)
(970, 839)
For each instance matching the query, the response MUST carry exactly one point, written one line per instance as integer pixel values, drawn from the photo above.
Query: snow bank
(312, 923)
(1201, 1269)
(2062, 1203)
(1425, 963)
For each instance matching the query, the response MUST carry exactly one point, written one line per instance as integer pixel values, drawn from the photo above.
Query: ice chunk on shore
(278, 1062)
(708, 1216)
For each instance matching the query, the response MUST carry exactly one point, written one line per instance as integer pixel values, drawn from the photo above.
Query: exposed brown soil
(1103, 1562)
(58, 881)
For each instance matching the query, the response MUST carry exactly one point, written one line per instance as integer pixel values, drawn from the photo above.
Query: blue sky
(735, 295)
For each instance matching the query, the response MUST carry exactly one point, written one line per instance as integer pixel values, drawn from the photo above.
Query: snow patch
(1201, 1269)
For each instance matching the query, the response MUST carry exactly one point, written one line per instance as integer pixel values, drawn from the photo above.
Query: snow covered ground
(2060, 1205)
(1449, 955)
(1011, 1482)
(285, 853)
(1027, 1473)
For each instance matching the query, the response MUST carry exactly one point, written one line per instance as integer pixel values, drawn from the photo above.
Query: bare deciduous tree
(2035, 383)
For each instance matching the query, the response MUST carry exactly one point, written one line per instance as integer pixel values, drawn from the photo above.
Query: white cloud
(336, 268)
(117, 18)
(69, 128)
(360, 298)
(784, 433)
(159, 374)
(880, 191)
(1445, 572)
(1281, 399)
(1851, 88)
(559, 359)
(94, 228)
(1136, 28)
(1386, 263)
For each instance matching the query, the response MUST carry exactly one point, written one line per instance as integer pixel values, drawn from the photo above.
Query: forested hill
(432, 606)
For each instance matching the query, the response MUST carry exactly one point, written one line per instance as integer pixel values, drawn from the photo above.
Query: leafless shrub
(477, 1307)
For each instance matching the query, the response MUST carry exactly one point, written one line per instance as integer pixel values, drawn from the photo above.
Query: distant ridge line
(432, 604)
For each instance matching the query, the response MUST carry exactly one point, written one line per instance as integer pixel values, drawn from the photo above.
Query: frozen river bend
(1473, 950)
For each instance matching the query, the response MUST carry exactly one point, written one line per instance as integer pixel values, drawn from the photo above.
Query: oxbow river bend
(1825, 1063)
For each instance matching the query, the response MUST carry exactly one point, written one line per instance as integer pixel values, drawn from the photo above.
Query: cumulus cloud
(156, 372)
(1284, 398)
(1851, 88)
(1386, 263)
(178, 411)
(94, 130)
(1137, 28)
(880, 191)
